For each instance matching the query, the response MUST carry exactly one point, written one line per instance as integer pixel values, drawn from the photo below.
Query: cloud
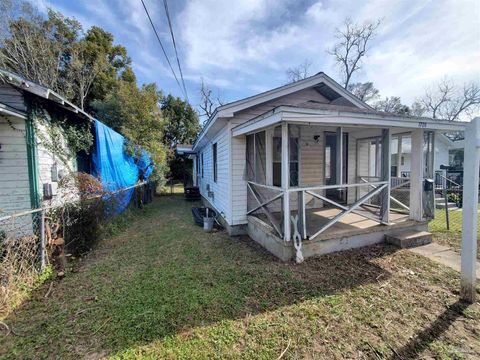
(244, 46)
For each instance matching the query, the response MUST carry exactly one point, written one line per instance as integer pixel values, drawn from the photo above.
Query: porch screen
(256, 158)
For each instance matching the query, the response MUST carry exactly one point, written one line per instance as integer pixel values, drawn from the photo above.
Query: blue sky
(243, 47)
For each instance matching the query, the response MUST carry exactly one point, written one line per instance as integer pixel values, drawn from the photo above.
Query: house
(306, 169)
(35, 154)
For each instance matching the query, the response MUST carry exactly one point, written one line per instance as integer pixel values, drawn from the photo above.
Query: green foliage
(57, 134)
(181, 127)
(181, 121)
(135, 113)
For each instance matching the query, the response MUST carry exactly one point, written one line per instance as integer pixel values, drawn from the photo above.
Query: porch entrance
(332, 176)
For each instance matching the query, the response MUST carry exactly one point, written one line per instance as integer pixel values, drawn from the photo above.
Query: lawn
(452, 237)
(165, 289)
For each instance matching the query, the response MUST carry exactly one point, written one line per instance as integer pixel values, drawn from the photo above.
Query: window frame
(215, 159)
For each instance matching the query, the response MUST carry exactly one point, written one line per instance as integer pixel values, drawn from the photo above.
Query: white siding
(14, 183)
(45, 160)
(220, 188)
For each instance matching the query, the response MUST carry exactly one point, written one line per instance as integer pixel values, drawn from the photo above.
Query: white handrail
(336, 186)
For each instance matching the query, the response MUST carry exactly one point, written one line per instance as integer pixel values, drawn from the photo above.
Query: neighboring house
(312, 149)
(30, 169)
(35, 156)
(446, 153)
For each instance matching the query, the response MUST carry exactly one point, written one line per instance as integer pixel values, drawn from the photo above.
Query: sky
(242, 47)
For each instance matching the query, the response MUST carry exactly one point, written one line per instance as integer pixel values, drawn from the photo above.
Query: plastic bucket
(207, 224)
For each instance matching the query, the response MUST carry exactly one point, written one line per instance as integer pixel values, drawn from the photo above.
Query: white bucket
(208, 224)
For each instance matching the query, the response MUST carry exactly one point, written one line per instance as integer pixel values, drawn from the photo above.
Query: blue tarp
(116, 169)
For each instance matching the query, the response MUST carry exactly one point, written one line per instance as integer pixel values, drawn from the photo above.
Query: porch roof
(343, 116)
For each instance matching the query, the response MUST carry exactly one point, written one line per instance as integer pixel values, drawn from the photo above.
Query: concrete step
(441, 205)
(409, 238)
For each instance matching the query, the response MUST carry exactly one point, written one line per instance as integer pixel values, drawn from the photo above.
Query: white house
(306, 168)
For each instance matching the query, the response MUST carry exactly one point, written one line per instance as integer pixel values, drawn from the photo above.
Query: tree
(448, 101)
(38, 48)
(181, 126)
(136, 114)
(299, 72)
(392, 105)
(364, 91)
(117, 63)
(181, 121)
(208, 103)
(83, 68)
(352, 46)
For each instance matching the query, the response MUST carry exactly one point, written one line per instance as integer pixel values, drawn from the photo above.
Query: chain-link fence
(36, 241)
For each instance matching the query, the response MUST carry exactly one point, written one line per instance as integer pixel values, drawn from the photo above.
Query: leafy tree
(181, 127)
(364, 91)
(392, 105)
(117, 63)
(136, 114)
(181, 121)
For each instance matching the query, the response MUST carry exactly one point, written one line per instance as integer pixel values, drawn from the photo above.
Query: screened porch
(315, 181)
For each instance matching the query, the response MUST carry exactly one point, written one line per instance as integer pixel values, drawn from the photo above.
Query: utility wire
(175, 46)
(163, 49)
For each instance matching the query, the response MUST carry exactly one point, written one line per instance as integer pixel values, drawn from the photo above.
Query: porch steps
(409, 239)
(440, 204)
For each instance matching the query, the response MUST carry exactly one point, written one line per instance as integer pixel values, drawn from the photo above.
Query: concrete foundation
(233, 230)
(265, 235)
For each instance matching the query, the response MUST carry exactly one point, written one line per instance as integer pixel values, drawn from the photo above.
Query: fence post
(447, 216)
(470, 210)
(42, 241)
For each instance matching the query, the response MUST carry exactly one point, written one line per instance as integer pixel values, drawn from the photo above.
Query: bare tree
(364, 91)
(352, 45)
(208, 102)
(299, 72)
(447, 101)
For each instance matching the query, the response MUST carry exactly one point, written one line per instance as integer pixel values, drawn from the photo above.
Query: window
(202, 163)
(277, 161)
(214, 155)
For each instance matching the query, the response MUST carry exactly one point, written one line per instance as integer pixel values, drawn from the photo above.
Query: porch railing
(396, 183)
(316, 191)
(264, 197)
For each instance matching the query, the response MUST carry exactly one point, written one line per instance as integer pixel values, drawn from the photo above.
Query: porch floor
(351, 224)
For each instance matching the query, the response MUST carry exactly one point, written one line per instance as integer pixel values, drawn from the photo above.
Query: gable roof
(324, 84)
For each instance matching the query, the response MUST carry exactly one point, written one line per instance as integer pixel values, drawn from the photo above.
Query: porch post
(416, 176)
(286, 181)
(470, 210)
(386, 175)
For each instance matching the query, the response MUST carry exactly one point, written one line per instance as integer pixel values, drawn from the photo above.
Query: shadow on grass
(433, 332)
(164, 276)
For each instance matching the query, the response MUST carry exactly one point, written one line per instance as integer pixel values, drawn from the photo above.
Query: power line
(163, 49)
(175, 46)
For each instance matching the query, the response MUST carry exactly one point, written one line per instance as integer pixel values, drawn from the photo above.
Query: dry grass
(165, 289)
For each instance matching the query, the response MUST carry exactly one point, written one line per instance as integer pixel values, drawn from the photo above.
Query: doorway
(331, 151)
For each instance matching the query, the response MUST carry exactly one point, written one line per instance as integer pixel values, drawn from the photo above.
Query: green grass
(453, 236)
(162, 288)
